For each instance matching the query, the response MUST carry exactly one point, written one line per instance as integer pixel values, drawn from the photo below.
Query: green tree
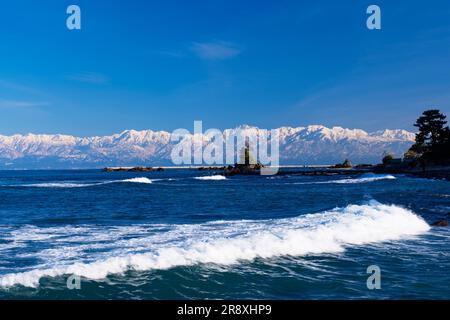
(387, 158)
(441, 151)
(433, 138)
(431, 127)
(410, 154)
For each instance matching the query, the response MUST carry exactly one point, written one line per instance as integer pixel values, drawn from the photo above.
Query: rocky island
(429, 156)
(132, 169)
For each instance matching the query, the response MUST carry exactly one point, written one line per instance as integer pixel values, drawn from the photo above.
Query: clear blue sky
(163, 64)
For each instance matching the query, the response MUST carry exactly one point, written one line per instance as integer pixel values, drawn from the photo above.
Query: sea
(189, 234)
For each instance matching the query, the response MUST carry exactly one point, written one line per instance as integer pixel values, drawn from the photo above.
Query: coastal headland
(432, 172)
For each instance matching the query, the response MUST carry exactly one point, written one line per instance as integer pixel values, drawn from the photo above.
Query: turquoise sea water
(181, 234)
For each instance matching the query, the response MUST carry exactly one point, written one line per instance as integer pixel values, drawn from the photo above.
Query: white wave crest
(137, 180)
(215, 177)
(364, 178)
(149, 247)
(367, 177)
(83, 185)
(60, 185)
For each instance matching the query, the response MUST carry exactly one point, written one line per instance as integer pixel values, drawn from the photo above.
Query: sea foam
(60, 185)
(367, 177)
(364, 178)
(94, 252)
(215, 177)
(69, 184)
(137, 180)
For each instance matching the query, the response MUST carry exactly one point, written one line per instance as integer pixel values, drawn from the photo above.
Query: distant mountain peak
(313, 144)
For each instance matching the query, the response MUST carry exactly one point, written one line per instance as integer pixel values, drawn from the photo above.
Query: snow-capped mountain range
(309, 145)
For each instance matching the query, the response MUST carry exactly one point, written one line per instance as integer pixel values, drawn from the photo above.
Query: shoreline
(436, 172)
(440, 173)
(124, 168)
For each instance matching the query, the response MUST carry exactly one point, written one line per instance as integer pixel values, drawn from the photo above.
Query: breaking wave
(364, 178)
(81, 185)
(137, 180)
(367, 177)
(94, 252)
(215, 177)
(59, 185)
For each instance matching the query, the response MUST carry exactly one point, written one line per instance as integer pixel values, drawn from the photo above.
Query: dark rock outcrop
(440, 223)
(244, 169)
(211, 168)
(343, 165)
(133, 169)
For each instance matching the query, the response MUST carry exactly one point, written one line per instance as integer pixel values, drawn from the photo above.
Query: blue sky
(163, 64)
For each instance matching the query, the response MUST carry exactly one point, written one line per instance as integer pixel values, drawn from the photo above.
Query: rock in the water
(131, 169)
(440, 223)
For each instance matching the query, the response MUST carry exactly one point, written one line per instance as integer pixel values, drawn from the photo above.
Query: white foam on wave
(60, 185)
(95, 252)
(83, 185)
(215, 177)
(364, 178)
(367, 177)
(137, 180)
